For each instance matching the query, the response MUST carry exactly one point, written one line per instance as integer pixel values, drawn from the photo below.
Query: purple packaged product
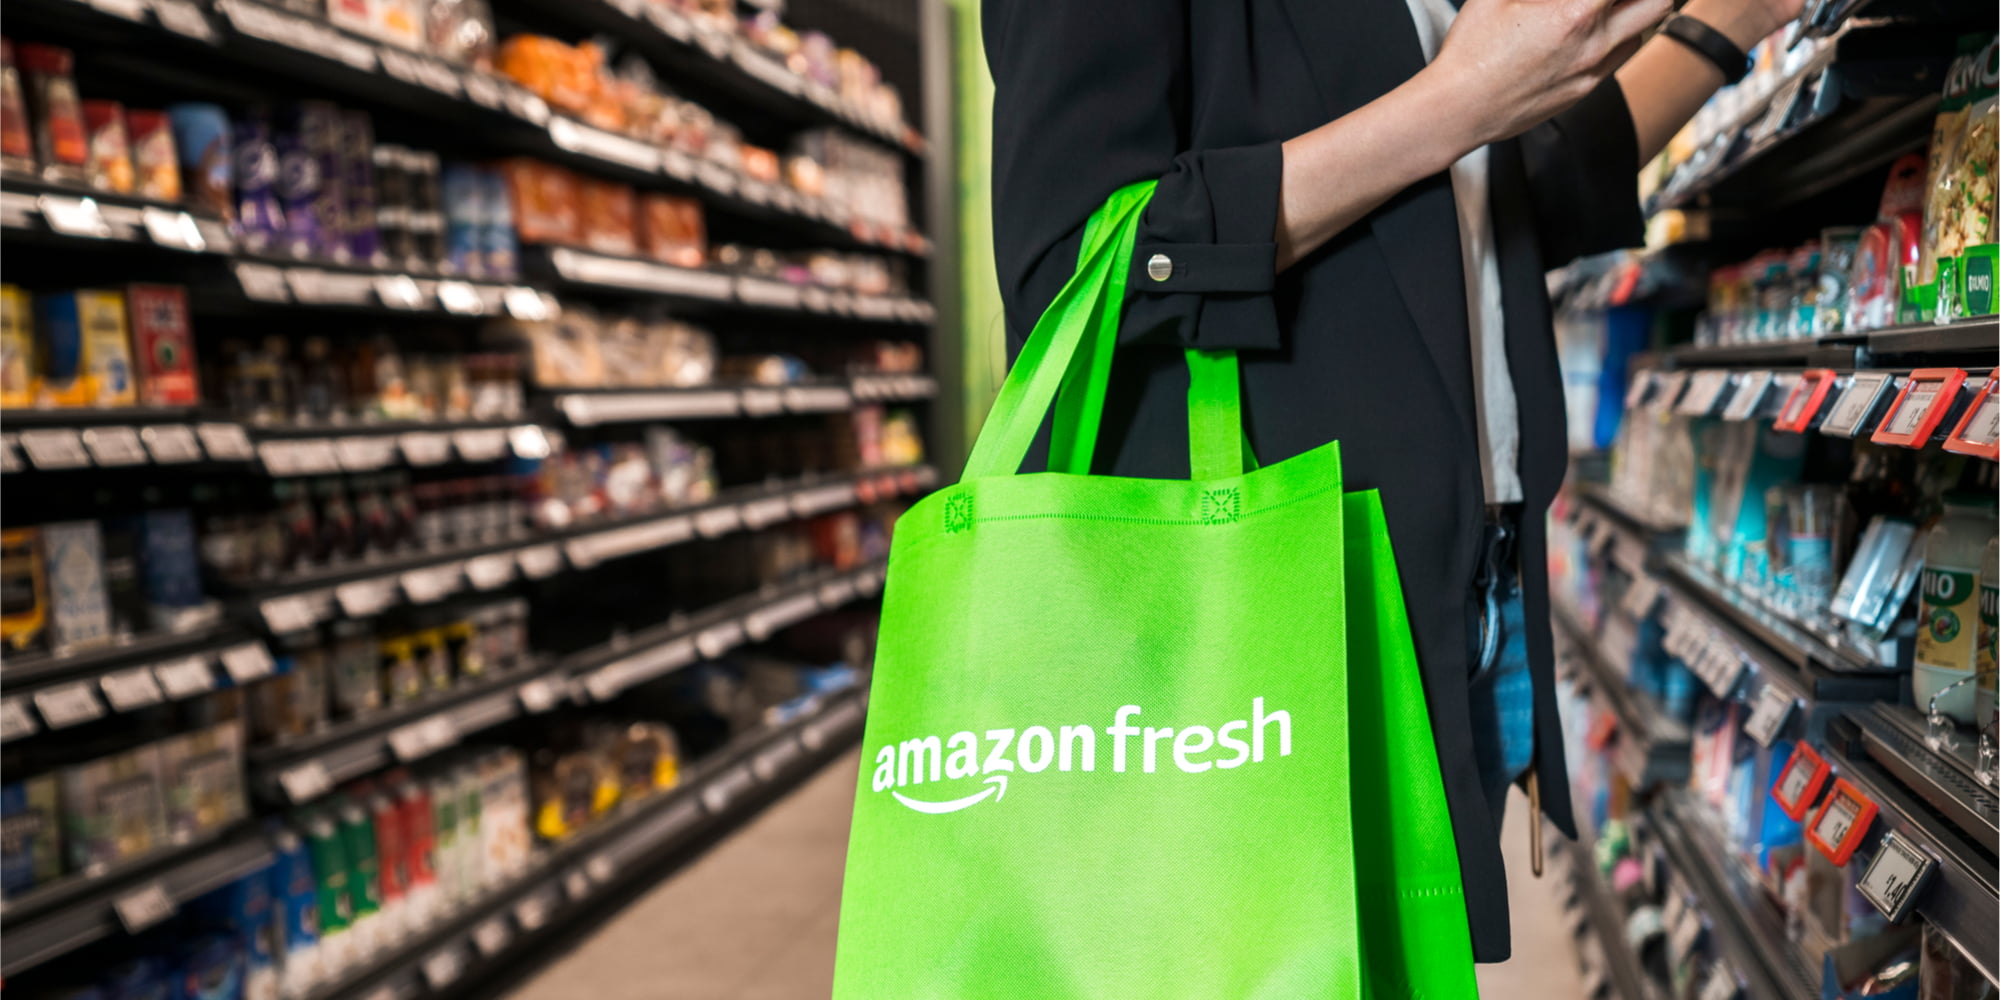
(497, 231)
(464, 196)
(323, 130)
(202, 140)
(357, 148)
(260, 219)
(299, 186)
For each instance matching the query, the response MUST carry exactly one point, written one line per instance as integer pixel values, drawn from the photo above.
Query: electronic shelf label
(1926, 397)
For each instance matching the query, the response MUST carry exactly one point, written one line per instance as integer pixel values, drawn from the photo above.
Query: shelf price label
(1804, 401)
(539, 695)
(1799, 782)
(171, 444)
(1774, 706)
(1749, 396)
(490, 571)
(15, 720)
(305, 782)
(1895, 875)
(539, 561)
(69, 705)
(1916, 413)
(247, 662)
(114, 446)
(130, 689)
(10, 453)
(289, 614)
(399, 291)
(533, 912)
(1842, 822)
(1685, 936)
(1855, 408)
(1705, 389)
(576, 885)
(422, 738)
(77, 216)
(424, 447)
(719, 639)
(55, 448)
(1721, 983)
(434, 584)
(186, 677)
(483, 444)
(1642, 596)
(144, 908)
(492, 935)
(225, 442)
(1978, 432)
(443, 968)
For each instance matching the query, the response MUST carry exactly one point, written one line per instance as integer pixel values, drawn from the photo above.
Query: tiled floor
(755, 918)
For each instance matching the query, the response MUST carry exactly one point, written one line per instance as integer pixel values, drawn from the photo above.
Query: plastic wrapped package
(546, 201)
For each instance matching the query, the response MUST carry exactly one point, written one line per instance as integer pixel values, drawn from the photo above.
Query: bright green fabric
(1114, 748)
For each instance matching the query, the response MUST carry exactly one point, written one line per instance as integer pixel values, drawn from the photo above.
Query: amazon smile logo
(901, 768)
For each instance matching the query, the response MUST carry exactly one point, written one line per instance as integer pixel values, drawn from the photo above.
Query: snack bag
(1967, 233)
(1960, 86)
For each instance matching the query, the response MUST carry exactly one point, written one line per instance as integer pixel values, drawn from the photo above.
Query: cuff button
(1159, 267)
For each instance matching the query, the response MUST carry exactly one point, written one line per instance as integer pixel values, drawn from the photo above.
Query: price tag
(481, 445)
(526, 106)
(1895, 875)
(315, 456)
(15, 721)
(718, 521)
(185, 678)
(763, 402)
(716, 177)
(144, 908)
(1916, 413)
(1799, 783)
(576, 885)
(1978, 432)
(835, 594)
(579, 138)
(225, 442)
(764, 622)
(365, 598)
(532, 913)
(1774, 706)
(10, 453)
(427, 585)
(1804, 401)
(677, 164)
(443, 968)
(262, 282)
(1842, 822)
(399, 291)
(422, 738)
(305, 782)
(768, 764)
(77, 216)
(131, 689)
(719, 639)
(600, 869)
(365, 453)
(460, 298)
(1721, 983)
(1641, 596)
(171, 444)
(247, 662)
(1601, 534)
(55, 448)
(529, 441)
(1725, 670)
(69, 705)
(1855, 407)
(526, 304)
(176, 230)
(490, 571)
(484, 91)
(424, 447)
(758, 514)
(1749, 397)
(289, 614)
(1686, 935)
(1704, 390)
(492, 936)
(539, 562)
(540, 695)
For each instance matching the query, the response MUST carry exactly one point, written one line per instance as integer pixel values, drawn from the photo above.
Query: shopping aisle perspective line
(756, 917)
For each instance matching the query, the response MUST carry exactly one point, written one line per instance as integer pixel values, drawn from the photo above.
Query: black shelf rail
(1897, 738)
(1747, 926)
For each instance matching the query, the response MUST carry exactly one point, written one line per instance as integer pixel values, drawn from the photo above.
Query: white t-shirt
(1492, 382)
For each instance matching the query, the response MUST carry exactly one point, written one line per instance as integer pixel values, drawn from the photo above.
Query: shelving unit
(1749, 929)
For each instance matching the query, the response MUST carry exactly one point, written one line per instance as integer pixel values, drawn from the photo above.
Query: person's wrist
(1745, 24)
(1455, 126)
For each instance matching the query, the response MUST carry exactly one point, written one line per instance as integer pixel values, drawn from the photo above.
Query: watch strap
(1713, 45)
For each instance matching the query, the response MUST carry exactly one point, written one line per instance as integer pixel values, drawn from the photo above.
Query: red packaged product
(419, 838)
(110, 166)
(57, 111)
(17, 141)
(162, 345)
(672, 230)
(1906, 234)
(609, 218)
(392, 855)
(546, 202)
(155, 163)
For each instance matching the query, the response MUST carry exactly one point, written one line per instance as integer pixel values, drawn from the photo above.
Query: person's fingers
(1619, 54)
(1627, 19)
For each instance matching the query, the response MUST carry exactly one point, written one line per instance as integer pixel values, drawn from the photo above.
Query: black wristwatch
(1712, 44)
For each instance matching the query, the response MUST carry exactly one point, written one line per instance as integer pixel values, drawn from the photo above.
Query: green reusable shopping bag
(1145, 738)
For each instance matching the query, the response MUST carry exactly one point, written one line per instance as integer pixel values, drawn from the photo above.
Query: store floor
(754, 919)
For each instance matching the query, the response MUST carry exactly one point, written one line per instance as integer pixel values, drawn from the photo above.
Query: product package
(546, 201)
(56, 111)
(24, 598)
(17, 348)
(156, 166)
(113, 810)
(87, 356)
(163, 345)
(295, 890)
(17, 140)
(262, 216)
(202, 775)
(79, 603)
(672, 231)
(206, 149)
(30, 835)
(110, 149)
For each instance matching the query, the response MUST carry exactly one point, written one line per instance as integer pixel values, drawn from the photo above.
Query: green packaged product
(357, 831)
(330, 868)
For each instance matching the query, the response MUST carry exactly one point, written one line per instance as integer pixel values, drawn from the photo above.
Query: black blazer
(1365, 341)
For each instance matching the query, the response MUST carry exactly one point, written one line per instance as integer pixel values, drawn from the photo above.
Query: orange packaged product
(609, 218)
(672, 230)
(563, 75)
(759, 163)
(547, 205)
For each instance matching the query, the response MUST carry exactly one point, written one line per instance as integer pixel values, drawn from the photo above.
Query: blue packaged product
(30, 834)
(261, 220)
(497, 231)
(245, 909)
(207, 153)
(298, 188)
(294, 894)
(139, 979)
(169, 559)
(464, 213)
(211, 968)
(356, 151)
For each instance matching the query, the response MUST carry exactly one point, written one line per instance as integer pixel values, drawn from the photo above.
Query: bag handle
(1067, 361)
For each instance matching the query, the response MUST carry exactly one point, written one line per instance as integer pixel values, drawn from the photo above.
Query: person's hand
(1511, 64)
(1746, 23)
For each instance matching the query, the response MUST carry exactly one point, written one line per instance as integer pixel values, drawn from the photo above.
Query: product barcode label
(69, 705)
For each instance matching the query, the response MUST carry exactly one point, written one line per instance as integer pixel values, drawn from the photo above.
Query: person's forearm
(1338, 173)
(1666, 82)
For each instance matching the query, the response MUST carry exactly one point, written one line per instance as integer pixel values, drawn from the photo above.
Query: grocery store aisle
(754, 919)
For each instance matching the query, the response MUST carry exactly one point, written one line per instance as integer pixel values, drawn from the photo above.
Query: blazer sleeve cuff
(1205, 260)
